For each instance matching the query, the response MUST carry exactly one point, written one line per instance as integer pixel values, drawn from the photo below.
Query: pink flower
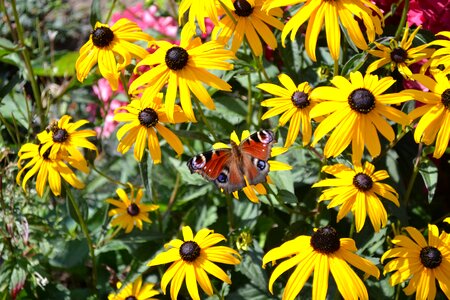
(148, 18)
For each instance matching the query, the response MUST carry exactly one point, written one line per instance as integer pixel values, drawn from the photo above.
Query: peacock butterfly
(227, 167)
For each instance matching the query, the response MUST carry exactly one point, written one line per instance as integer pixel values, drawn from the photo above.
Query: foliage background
(43, 254)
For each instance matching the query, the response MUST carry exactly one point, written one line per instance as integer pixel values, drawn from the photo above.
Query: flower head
(247, 19)
(420, 262)
(352, 14)
(250, 190)
(105, 43)
(440, 57)
(145, 118)
(48, 169)
(62, 136)
(130, 212)
(357, 190)
(183, 67)
(192, 258)
(356, 110)
(321, 253)
(294, 103)
(399, 55)
(434, 124)
(134, 291)
(199, 10)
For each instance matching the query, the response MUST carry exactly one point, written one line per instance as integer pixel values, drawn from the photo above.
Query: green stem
(108, 177)
(125, 86)
(402, 23)
(412, 180)
(203, 118)
(108, 17)
(249, 101)
(86, 234)
(336, 68)
(28, 66)
(230, 212)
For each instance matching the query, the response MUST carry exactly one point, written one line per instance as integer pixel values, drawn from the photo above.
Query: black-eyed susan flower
(357, 111)
(434, 123)
(350, 13)
(48, 169)
(112, 48)
(421, 262)
(294, 103)
(63, 136)
(357, 190)
(192, 259)
(134, 291)
(198, 11)
(247, 20)
(399, 55)
(183, 68)
(440, 59)
(322, 252)
(146, 118)
(129, 211)
(250, 190)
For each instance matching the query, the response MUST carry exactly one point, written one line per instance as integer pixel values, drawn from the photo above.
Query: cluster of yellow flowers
(353, 111)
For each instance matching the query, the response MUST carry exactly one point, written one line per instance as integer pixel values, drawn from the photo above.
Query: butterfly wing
(219, 166)
(255, 152)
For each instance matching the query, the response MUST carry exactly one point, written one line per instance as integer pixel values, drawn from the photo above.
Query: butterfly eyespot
(222, 178)
(261, 164)
(265, 136)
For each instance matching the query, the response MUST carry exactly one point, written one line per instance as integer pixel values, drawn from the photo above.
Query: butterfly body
(227, 167)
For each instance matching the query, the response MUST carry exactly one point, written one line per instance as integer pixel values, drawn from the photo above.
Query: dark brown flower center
(131, 298)
(102, 37)
(361, 100)
(430, 257)
(300, 99)
(60, 135)
(362, 182)
(176, 58)
(445, 98)
(189, 251)
(399, 55)
(148, 117)
(325, 240)
(242, 8)
(133, 210)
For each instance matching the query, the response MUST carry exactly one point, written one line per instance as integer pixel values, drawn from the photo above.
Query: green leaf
(63, 65)
(354, 63)
(251, 264)
(245, 214)
(7, 44)
(429, 173)
(69, 254)
(95, 12)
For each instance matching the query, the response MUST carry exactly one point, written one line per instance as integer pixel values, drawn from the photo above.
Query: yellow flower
(48, 169)
(198, 11)
(347, 12)
(356, 110)
(62, 137)
(294, 103)
(250, 190)
(357, 190)
(434, 124)
(420, 262)
(440, 57)
(130, 211)
(146, 117)
(192, 258)
(321, 253)
(183, 68)
(134, 291)
(105, 43)
(247, 19)
(399, 55)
